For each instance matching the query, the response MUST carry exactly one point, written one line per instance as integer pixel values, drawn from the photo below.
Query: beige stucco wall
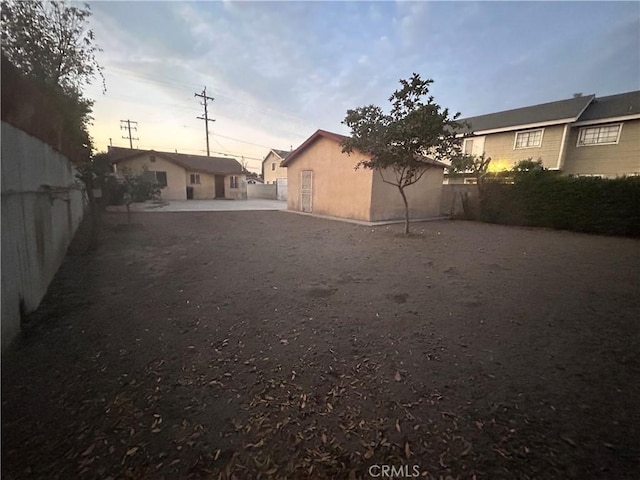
(423, 196)
(338, 189)
(206, 189)
(178, 179)
(235, 193)
(176, 188)
(500, 147)
(270, 176)
(606, 160)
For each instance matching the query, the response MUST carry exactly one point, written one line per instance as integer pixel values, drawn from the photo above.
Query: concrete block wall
(259, 190)
(451, 201)
(42, 207)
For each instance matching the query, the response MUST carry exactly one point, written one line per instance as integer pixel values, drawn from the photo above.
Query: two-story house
(583, 135)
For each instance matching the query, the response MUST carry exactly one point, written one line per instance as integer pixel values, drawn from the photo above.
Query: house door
(306, 191)
(220, 186)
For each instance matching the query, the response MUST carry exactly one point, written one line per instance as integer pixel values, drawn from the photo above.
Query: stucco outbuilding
(323, 180)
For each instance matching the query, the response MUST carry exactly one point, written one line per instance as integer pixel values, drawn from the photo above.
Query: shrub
(140, 187)
(545, 199)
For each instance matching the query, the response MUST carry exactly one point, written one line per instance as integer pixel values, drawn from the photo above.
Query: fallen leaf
(398, 426)
(466, 451)
(407, 450)
(88, 450)
(368, 454)
(255, 445)
(132, 451)
(502, 453)
(398, 377)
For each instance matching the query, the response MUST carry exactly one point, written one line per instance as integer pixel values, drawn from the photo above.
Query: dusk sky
(280, 70)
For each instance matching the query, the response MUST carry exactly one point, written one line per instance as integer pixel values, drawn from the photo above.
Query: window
(158, 177)
(161, 178)
(194, 179)
(233, 182)
(528, 139)
(152, 158)
(467, 149)
(273, 166)
(606, 135)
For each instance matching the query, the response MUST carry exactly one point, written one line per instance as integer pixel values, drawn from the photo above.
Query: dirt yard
(271, 345)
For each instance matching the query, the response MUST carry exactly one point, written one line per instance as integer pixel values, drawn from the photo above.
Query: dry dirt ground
(271, 345)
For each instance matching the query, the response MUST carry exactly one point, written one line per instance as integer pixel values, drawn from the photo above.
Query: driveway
(251, 204)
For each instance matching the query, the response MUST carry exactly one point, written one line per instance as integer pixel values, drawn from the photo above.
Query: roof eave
(318, 133)
(268, 155)
(527, 126)
(595, 121)
(175, 161)
(131, 155)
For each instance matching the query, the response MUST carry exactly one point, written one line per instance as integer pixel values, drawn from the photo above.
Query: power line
(243, 141)
(206, 119)
(179, 85)
(126, 125)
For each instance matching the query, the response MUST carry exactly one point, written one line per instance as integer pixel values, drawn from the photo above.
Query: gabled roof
(194, 163)
(336, 137)
(283, 154)
(612, 106)
(552, 113)
(318, 134)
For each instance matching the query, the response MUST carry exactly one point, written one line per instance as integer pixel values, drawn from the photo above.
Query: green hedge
(584, 204)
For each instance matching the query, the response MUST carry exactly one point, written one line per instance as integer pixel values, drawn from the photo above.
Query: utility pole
(206, 118)
(126, 125)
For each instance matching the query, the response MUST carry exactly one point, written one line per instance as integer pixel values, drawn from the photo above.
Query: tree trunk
(406, 210)
(128, 213)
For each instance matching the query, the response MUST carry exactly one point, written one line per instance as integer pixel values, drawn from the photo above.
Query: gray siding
(607, 160)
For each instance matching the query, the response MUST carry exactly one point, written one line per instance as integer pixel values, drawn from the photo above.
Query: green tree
(51, 43)
(402, 145)
(93, 174)
(138, 187)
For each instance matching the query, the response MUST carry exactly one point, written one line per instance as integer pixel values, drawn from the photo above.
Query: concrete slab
(368, 224)
(251, 204)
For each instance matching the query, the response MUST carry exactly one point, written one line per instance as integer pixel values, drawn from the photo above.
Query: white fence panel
(281, 184)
